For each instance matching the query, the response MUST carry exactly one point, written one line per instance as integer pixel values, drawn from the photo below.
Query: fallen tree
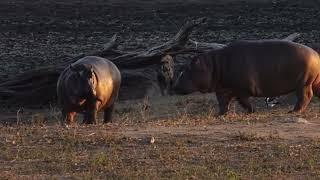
(38, 86)
(138, 69)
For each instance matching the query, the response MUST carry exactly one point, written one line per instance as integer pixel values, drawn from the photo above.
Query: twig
(18, 115)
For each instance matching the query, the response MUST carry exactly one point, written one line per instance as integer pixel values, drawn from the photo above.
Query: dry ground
(190, 142)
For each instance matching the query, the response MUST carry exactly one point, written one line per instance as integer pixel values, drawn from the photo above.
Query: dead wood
(153, 55)
(138, 69)
(203, 46)
(292, 37)
(316, 47)
(38, 86)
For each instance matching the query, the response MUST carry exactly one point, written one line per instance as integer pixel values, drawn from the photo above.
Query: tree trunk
(138, 69)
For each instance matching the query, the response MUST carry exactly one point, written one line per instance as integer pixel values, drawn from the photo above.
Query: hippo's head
(84, 80)
(196, 76)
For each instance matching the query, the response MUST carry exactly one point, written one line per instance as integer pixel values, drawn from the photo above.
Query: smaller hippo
(242, 70)
(87, 86)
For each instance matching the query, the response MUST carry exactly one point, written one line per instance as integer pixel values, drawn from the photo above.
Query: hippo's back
(101, 67)
(267, 67)
(261, 50)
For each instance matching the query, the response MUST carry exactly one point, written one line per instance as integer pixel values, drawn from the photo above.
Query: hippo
(87, 86)
(272, 101)
(242, 70)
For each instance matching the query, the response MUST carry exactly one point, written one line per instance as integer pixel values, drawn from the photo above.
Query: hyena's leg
(245, 103)
(224, 99)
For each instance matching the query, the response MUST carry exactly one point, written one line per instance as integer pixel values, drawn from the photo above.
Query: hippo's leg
(245, 103)
(224, 99)
(304, 96)
(85, 118)
(68, 117)
(108, 114)
(92, 112)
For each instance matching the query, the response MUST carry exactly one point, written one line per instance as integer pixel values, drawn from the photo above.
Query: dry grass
(190, 143)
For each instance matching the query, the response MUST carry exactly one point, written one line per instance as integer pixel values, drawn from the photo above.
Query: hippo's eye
(84, 75)
(81, 73)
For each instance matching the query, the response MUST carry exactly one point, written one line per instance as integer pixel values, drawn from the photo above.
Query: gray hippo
(87, 86)
(242, 70)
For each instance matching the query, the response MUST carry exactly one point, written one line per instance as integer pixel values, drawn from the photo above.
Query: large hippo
(262, 68)
(272, 101)
(87, 86)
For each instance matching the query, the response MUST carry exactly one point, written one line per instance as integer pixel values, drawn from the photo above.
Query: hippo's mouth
(205, 90)
(82, 101)
(78, 100)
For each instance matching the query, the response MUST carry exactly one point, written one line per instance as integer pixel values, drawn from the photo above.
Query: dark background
(46, 32)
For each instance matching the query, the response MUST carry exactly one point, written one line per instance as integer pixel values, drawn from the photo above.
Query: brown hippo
(272, 101)
(263, 68)
(87, 86)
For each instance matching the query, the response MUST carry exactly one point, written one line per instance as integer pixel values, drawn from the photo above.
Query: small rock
(296, 120)
(152, 140)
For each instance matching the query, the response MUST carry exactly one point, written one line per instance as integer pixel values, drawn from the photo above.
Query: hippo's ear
(77, 67)
(81, 67)
(90, 68)
(86, 70)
